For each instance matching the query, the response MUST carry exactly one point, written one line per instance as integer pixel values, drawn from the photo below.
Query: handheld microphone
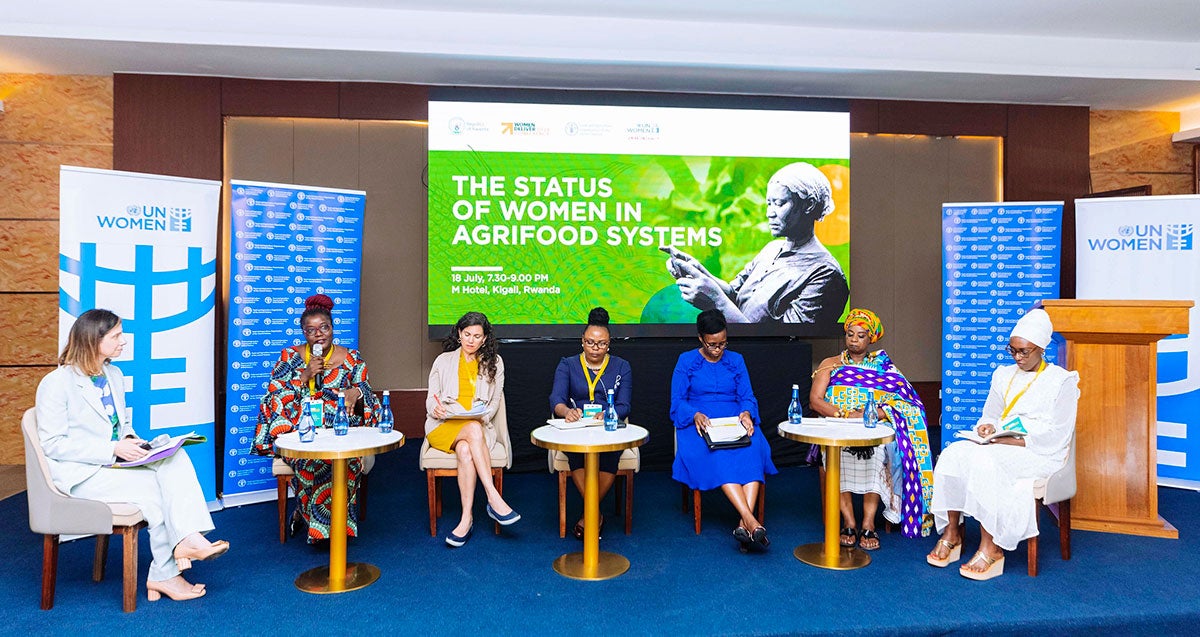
(317, 350)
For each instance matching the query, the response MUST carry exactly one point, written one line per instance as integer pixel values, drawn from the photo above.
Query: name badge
(591, 409)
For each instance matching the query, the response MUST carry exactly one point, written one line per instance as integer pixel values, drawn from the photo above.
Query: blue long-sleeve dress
(716, 390)
(570, 385)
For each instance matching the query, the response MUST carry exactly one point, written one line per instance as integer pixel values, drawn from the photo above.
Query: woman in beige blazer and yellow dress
(468, 378)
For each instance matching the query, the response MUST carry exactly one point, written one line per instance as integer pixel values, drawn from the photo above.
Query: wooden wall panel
(18, 388)
(942, 118)
(279, 98)
(368, 100)
(29, 175)
(28, 256)
(167, 125)
(30, 325)
(1046, 159)
(326, 153)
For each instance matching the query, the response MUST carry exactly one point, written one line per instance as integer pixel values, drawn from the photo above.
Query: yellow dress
(443, 436)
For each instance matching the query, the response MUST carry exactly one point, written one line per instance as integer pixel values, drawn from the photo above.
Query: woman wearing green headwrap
(899, 474)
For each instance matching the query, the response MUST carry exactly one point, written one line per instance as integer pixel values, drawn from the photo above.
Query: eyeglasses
(1021, 353)
(320, 329)
(587, 342)
(715, 346)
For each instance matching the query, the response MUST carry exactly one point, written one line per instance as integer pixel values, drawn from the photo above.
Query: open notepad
(725, 433)
(164, 450)
(455, 410)
(559, 423)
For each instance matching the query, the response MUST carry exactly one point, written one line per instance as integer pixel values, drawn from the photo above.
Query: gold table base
(608, 566)
(846, 559)
(358, 575)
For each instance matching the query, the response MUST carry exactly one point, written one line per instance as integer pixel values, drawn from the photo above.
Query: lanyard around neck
(312, 382)
(1010, 403)
(591, 382)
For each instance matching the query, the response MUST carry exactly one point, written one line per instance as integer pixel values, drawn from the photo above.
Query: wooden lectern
(1114, 347)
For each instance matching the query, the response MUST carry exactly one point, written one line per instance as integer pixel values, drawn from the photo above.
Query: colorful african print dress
(279, 413)
(906, 462)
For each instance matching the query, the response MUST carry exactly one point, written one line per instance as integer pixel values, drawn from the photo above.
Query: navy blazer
(569, 383)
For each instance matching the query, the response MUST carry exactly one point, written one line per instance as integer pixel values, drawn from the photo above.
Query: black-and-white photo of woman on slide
(793, 279)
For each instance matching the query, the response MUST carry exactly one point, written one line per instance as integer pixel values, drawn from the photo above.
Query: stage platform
(678, 583)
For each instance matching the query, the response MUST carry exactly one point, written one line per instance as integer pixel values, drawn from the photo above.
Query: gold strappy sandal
(995, 567)
(951, 557)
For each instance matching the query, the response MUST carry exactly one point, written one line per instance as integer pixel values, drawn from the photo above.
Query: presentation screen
(540, 211)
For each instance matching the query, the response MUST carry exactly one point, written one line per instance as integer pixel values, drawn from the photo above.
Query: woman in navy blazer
(83, 430)
(584, 379)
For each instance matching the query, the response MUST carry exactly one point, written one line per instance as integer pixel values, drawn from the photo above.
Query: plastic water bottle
(795, 411)
(341, 422)
(869, 415)
(611, 422)
(385, 414)
(306, 424)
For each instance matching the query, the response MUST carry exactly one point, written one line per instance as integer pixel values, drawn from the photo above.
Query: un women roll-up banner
(144, 246)
(1144, 248)
(998, 261)
(286, 243)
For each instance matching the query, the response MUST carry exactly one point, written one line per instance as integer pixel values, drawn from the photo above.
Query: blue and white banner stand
(287, 243)
(1142, 248)
(145, 246)
(998, 260)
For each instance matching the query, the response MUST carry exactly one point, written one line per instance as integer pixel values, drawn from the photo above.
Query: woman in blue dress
(581, 383)
(712, 382)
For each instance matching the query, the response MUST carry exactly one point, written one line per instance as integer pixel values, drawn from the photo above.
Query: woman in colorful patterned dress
(468, 378)
(318, 368)
(899, 474)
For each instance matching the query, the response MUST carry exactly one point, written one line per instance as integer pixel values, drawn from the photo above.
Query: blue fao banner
(145, 247)
(998, 261)
(287, 243)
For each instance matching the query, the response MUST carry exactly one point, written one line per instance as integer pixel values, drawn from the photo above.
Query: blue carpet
(678, 584)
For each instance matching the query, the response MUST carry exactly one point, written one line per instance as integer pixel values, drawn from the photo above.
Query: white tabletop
(597, 438)
(823, 431)
(359, 441)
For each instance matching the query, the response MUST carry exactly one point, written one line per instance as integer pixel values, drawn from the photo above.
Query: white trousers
(993, 484)
(170, 498)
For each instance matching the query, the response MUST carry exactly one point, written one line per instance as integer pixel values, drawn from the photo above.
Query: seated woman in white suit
(993, 482)
(83, 428)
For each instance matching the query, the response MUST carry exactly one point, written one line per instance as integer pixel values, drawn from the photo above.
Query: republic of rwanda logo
(1178, 236)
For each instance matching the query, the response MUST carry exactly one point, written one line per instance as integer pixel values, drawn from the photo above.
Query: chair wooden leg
(281, 495)
(129, 535)
(498, 479)
(432, 484)
(49, 569)
(628, 502)
(562, 504)
(1033, 557)
(685, 498)
(696, 509)
(362, 496)
(1064, 528)
(98, 562)
(762, 504)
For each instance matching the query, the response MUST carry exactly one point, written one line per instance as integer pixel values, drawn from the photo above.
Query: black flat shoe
(742, 536)
(848, 532)
(760, 537)
(296, 523)
(868, 534)
(578, 530)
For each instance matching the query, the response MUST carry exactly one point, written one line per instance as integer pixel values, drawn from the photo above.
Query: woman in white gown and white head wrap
(993, 482)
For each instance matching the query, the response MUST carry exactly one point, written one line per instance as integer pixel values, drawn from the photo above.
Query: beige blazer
(443, 383)
(74, 429)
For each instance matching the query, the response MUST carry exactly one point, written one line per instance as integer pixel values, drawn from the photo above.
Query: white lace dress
(994, 483)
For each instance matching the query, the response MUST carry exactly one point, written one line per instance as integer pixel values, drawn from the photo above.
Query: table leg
(338, 577)
(830, 553)
(592, 564)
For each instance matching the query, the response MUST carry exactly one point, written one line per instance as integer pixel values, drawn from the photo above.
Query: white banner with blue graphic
(1145, 248)
(998, 260)
(287, 243)
(144, 246)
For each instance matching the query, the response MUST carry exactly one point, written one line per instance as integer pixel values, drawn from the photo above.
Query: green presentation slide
(540, 238)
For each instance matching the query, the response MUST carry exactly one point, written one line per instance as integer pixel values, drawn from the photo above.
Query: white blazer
(73, 426)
